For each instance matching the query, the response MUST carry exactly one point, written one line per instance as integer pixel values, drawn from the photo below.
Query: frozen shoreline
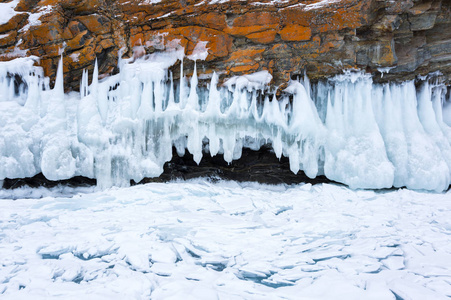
(202, 240)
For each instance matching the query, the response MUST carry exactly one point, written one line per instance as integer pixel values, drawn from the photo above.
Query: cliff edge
(404, 38)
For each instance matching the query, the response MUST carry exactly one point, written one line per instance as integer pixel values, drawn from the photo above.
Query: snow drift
(123, 127)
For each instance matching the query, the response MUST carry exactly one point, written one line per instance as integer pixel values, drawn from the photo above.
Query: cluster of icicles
(123, 127)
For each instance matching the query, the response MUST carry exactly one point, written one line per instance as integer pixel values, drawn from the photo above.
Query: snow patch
(314, 6)
(33, 19)
(385, 70)
(255, 81)
(7, 11)
(17, 52)
(200, 51)
(149, 2)
(320, 4)
(75, 56)
(272, 2)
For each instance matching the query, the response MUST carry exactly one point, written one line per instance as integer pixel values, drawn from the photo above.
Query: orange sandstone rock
(295, 33)
(219, 44)
(78, 41)
(13, 23)
(9, 38)
(212, 20)
(95, 23)
(42, 34)
(264, 37)
(285, 37)
(259, 27)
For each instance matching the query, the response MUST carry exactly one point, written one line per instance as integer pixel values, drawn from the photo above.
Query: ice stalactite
(123, 127)
(408, 122)
(354, 150)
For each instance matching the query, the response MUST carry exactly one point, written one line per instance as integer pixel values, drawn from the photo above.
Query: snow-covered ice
(203, 240)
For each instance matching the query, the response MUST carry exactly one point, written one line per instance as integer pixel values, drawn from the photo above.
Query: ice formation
(123, 127)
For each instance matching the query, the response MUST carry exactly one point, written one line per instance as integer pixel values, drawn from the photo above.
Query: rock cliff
(285, 37)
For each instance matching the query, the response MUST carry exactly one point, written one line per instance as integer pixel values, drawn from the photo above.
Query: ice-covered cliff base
(123, 127)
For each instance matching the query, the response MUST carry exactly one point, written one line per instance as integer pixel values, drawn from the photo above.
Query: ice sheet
(200, 240)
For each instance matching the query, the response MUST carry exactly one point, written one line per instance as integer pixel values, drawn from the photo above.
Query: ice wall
(123, 127)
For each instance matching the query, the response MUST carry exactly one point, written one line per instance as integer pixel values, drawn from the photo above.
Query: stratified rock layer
(284, 37)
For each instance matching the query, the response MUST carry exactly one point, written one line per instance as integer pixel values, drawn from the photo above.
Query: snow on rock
(353, 131)
(7, 11)
(199, 240)
(15, 53)
(149, 2)
(320, 4)
(200, 51)
(75, 56)
(33, 19)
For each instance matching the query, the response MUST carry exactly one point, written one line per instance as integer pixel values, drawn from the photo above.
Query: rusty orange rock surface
(295, 33)
(284, 37)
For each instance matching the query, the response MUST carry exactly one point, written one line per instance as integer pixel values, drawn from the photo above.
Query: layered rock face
(286, 37)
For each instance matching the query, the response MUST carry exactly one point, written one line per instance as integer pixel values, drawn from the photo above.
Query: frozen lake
(203, 240)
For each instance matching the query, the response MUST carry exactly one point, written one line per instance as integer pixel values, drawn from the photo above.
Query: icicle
(125, 126)
(214, 98)
(306, 83)
(100, 97)
(95, 79)
(134, 89)
(33, 97)
(171, 100)
(158, 94)
(182, 86)
(86, 83)
(58, 89)
(146, 109)
(193, 98)
(83, 87)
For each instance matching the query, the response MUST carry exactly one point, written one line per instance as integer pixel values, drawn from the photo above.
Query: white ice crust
(123, 127)
(198, 240)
